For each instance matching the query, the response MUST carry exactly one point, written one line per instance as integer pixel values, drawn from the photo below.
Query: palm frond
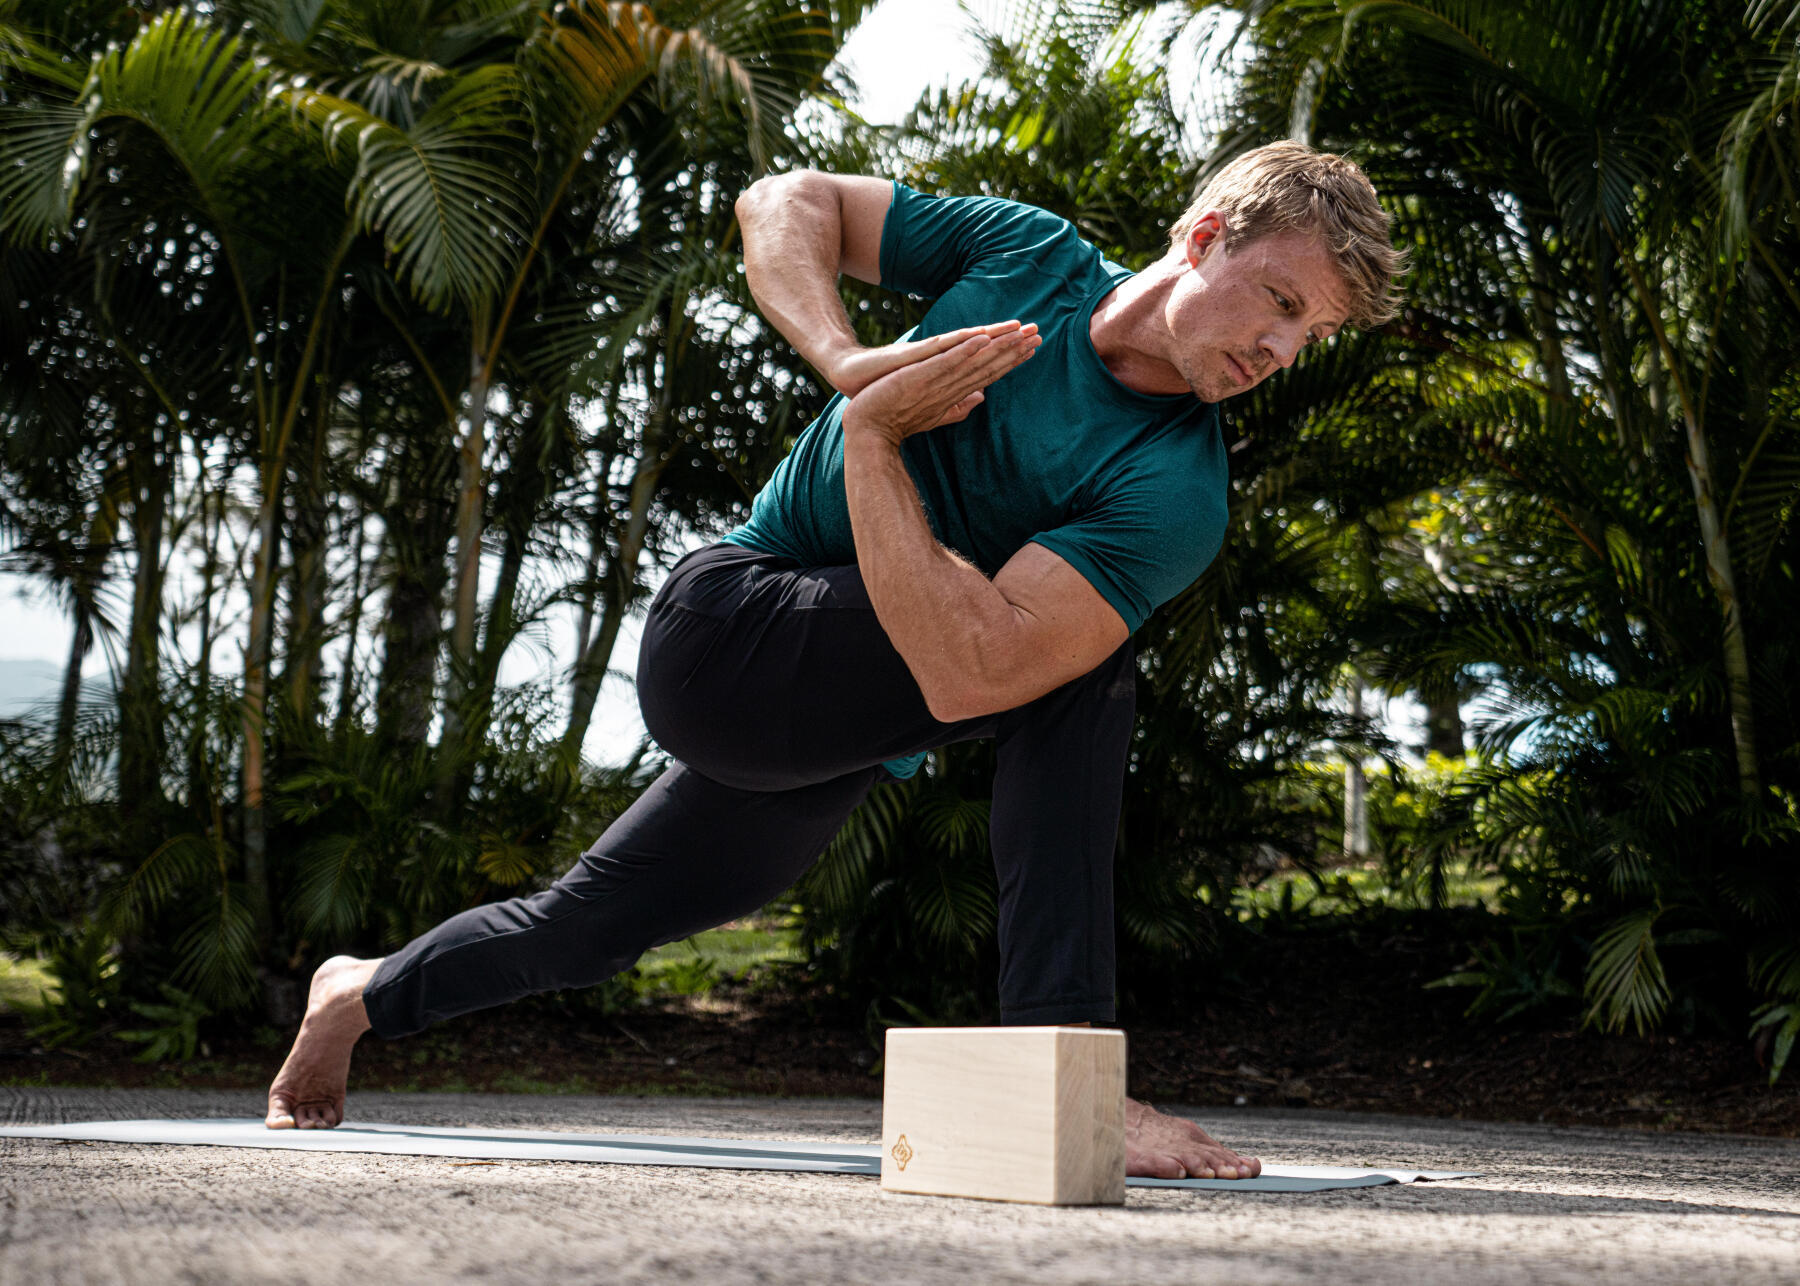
(444, 196)
(1625, 982)
(200, 94)
(44, 148)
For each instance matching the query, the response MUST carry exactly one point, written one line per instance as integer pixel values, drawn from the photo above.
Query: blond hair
(1288, 187)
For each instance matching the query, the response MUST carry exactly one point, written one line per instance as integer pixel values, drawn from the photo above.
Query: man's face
(1233, 319)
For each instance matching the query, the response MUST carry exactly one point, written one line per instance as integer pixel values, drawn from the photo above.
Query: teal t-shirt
(1128, 487)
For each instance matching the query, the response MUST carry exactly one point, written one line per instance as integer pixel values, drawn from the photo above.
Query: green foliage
(1595, 372)
(85, 968)
(174, 1033)
(273, 250)
(692, 976)
(901, 908)
(1526, 977)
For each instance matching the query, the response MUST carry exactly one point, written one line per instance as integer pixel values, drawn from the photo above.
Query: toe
(1151, 1166)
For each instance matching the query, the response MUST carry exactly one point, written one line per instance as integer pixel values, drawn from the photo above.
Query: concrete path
(1555, 1206)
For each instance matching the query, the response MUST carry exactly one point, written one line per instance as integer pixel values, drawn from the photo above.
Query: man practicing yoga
(960, 546)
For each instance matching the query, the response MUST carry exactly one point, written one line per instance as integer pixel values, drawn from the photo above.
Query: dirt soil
(1330, 1021)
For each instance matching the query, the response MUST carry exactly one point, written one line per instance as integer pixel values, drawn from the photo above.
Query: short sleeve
(1141, 548)
(929, 243)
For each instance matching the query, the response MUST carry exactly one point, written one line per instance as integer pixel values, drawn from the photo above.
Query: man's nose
(1282, 348)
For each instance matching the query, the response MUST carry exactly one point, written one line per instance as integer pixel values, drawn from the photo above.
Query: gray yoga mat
(629, 1149)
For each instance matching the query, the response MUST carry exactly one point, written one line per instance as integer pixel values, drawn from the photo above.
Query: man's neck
(1129, 332)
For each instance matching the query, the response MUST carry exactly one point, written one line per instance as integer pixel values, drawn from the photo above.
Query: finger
(977, 339)
(878, 362)
(961, 410)
(985, 365)
(972, 364)
(991, 329)
(982, 351)
(919, 350)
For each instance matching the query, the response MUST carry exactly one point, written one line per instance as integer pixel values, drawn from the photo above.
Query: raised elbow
(747, 200)
(772, 188)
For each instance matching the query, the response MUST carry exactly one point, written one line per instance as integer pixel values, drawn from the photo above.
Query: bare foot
(1172, 1147)
(308, 1092)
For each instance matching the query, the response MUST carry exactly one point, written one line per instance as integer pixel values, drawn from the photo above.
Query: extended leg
(688, 855)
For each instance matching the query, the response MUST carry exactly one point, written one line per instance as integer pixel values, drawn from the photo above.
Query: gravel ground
(1555, 1205)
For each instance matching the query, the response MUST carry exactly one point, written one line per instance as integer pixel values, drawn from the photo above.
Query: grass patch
(513, 1083)
(695, 964)
(25, 986)
(1351, 888)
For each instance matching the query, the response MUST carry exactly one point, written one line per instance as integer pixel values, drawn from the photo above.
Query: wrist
(864, 430)
(833, 357)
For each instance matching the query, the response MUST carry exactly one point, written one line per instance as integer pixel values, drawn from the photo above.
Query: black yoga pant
(778, 694)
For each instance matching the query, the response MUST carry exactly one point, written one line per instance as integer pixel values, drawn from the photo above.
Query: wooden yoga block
(1005, 1113)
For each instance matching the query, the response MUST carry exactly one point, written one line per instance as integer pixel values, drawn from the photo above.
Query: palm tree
(369, 205)
(1619, 369)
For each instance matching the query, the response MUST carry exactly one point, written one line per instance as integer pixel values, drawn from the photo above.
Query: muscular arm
(800, 231)
(974, 646)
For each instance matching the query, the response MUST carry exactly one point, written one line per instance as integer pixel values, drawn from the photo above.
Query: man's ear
(1206, 236)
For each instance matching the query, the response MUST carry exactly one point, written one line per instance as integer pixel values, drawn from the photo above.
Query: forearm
(793, 246)
(945, 618)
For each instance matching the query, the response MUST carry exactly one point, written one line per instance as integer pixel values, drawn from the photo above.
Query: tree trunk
(1444, 724)
(500, 627)
(201, 788)
(590, 669)
(346, 702)
(1719, 572)
(306, 622)
(68, 705)
(598, 523)
(256, 684)
(414, 533)
(1715, 544)
(1543, 313)
(521, 497)
(140, 699)
(1356, 790)
(471, 499)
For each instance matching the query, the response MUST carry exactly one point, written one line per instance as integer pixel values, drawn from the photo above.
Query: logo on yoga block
(902, 1152)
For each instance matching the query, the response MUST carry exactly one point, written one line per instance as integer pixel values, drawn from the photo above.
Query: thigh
(692, 853)
(767, 675)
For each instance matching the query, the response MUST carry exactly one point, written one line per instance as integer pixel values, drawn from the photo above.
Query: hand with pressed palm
(858, 368)
(940, 386)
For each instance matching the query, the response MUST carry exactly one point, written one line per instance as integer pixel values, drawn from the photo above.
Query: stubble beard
(1205, 385)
